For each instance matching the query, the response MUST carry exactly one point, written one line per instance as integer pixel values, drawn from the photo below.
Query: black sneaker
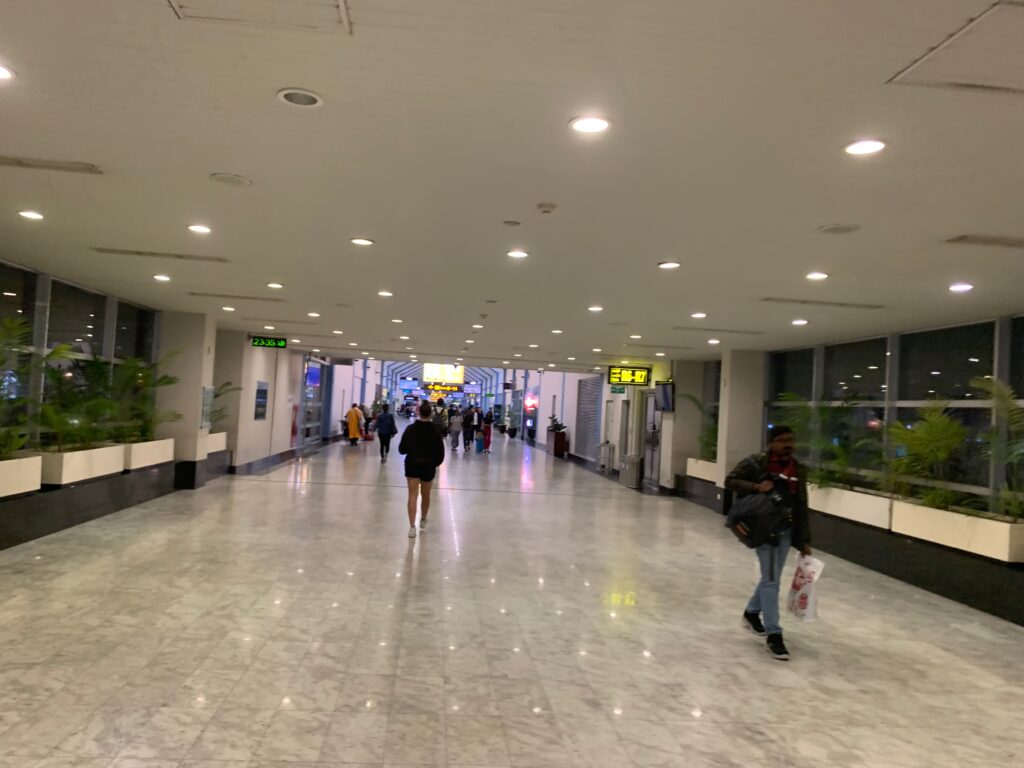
(777, 648)
(752, 622)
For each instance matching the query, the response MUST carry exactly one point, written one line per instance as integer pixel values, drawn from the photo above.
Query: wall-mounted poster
(262, 393)
(205, 418)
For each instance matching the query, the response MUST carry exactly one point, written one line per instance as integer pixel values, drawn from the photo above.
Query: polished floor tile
(547, 618)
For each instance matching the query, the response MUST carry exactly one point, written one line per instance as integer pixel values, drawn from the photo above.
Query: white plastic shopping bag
(803, 597)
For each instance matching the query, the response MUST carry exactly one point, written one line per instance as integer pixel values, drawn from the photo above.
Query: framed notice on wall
(262, 392)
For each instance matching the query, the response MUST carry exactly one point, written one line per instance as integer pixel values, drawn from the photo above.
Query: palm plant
(133, 390)
(926, 450)
(78, 411)
(708, 440)
(1005, 444)
(220, 412)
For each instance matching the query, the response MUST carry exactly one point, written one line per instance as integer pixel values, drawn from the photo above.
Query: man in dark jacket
(775, 470)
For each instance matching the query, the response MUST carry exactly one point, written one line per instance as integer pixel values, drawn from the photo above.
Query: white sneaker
(423, 525)
(412, 532)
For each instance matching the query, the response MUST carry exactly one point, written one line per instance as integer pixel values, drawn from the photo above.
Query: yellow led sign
(444, 374)
(637, 377)
(443, 388)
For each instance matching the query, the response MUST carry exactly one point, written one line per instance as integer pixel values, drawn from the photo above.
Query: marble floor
(547, 618)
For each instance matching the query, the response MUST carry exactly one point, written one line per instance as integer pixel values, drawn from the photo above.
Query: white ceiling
(444, 118)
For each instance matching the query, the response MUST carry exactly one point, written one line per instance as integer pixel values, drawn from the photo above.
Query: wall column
(741, 409)
(187, 344)
(681, 429)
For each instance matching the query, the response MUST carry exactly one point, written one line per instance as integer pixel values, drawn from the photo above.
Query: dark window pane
(1017, 355)
(712, 382)
(17, 292)
(792, 372)
(134, 336)
(853, 437)
(855, 371)
(76, 318)
(939, 365)
(969, 465)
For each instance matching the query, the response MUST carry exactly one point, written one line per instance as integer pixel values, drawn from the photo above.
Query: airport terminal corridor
(548, 617)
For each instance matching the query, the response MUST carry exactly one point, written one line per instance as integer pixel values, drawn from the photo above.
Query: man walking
(774, 471)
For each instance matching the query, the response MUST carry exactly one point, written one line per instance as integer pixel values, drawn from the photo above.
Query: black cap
(777, 431)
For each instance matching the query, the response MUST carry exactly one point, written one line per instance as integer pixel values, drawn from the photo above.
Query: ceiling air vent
(310, 15)
(199, 295)
(36, 164)
(812, 303)
(705, 329)
(999, 241)
(160, 255)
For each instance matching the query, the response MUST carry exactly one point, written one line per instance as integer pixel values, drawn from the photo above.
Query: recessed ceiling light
(385, 294)
(409, 349)
(458, 359)
(312, 314)
(659, 354)
(300, 97)
(596, 308)
(517, 254)
(362, 241)
(470, 341)
(505, 362)
(817, 276)
(200, 229)
(268, 328)
(973, 360)
(714, 341)
(624, 362)
(865, 147)
(534, 346)
(799, 321)
(296, 341)
(33, 215)
(570, 359)
(477, 325)
(228, 309)
(936, 373)
(353, 343)
(6, 74)
(12, 293)
(338, 333)
(275, 286)
(636, 336)
(556, 331)
(699, 315)
(872, 367)
(551, 365)
(404, 338)
(597, 367)
(397, 320)
(317, 350)
(162, 278)
(961, 287)
(517, 354)
(589, 124)
(597, 349)
(668, 265)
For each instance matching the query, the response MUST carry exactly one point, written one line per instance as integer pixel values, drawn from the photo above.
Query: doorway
(624, 429)
(652, 442)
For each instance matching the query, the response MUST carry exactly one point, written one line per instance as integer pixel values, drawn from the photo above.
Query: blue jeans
(765, 599)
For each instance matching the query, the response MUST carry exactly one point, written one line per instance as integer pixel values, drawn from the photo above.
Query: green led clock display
(267, 341)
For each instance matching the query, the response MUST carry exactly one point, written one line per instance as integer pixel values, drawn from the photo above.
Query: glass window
(709, 421)
(791, 372)
(134, 336)
(853, 437)
(969, 465)
(17, 292)
(1017, 355)
(712, 382)
(939, 365)
(76, 318)
(855, 371)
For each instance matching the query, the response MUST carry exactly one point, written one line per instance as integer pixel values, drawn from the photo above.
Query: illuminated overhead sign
(443, 387)
(637, 377)
(444, 374)
(267, 341)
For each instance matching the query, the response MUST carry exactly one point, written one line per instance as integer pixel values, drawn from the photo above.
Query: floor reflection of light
(452, 527)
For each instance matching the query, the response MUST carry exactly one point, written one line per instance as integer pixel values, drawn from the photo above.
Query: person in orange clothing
(354, 419)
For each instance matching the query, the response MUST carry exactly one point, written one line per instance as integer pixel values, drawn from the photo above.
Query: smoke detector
(546, 207)
(231, 179)
(300, 97)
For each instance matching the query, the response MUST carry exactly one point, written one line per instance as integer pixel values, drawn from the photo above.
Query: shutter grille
(588, 411)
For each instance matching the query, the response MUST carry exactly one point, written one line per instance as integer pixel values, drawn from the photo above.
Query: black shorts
(420, 472)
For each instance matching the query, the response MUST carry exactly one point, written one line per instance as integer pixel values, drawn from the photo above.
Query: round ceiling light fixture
(597, 349)
(477, 325)
(300, 97)
(361, 241)
(228, 309)
(518, 354)
(534, 346)
(404, 338)
(570, 359)
(275, 286)
(268, 328)
(714, 341)
(864, 147)
(961, 288)
(32, 215)
(595, 308)
(199, 229)
(312, 314)
(6, 74)
(397, 320)
(668, 265)
(385, 294)
(589, 124)
(636, 336)
(799, 321)
(556, 331)
(295, 341)
(699, 315)
(162, 278)
(505, 362)
(517, 254)
(353, 343)
(817, 276)
(659, 354)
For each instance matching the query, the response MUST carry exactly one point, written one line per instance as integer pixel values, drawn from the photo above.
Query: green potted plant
(217, 439)
(703, 466)
(133, 385)
(558, 441)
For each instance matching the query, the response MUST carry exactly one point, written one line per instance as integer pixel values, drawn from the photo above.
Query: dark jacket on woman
(422, 445)
(386, 425)
(752, 470)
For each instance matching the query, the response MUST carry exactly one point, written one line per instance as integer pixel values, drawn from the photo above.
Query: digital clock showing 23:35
(268, 341)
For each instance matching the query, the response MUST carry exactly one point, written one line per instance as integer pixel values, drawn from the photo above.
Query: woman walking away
(423, 448)
(386, 429)
(488, 428)
(455, 427)
(354, 419)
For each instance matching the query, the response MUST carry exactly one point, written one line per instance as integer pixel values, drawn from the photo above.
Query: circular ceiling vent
(839, 229)
(300, 97)
(231, 179)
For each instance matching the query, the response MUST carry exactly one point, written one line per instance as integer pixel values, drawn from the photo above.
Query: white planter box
(22, 475)
(218, 441)
(75, 466)
(865, 508)
(989, 538)
(702, 470)
(139, 455)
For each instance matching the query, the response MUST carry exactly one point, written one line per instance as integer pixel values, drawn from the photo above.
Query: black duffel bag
(757, 518)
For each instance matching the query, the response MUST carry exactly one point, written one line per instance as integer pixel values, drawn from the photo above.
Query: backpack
(441, 417)
(757, 518)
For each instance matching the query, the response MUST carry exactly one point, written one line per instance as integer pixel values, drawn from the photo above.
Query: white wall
(741, 409)
(187, 345)
(341, 396)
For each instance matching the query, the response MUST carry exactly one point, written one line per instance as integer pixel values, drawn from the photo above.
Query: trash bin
(629, 471)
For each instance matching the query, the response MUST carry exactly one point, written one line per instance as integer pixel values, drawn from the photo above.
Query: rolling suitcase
(480, 443)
